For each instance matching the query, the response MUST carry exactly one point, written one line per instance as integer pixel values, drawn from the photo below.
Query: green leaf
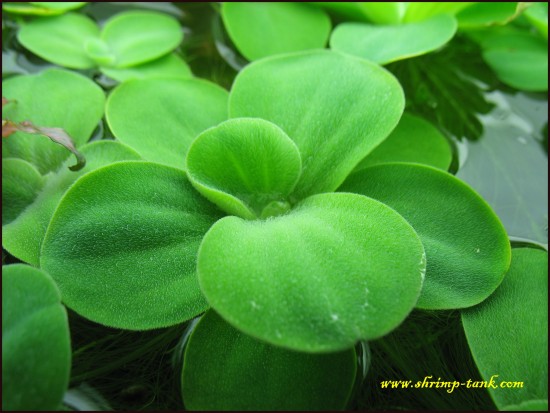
(508, 168)
(485, 14)
(420, 10)
(265, 29)
(335, 107)
(169, 66)
(60, 39)
(41, 8)
(519, 59)
(467, 249)
(23, 237)
(385, 44)
(530, 405)
(136, 37)
(384, 12)
(244, 165)
(519, 305)
(61, 6)
(257, 376)
(159, 118)
(52, 98)
(36, 350)
(537, 14)
(99, 51)
(21, 183)
(122, 246)
(336, 269)
(413, 140)
(345, 9)
(57, 135)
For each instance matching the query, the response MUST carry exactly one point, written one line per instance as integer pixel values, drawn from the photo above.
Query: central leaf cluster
(248, 167)
(295, 263)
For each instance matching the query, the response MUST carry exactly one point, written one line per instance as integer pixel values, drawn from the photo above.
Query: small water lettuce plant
(119, 48)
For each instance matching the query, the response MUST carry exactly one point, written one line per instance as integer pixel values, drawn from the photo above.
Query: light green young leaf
(467, 248)
(169, 66)
(99, 52)
(136, 37)
(385, 44)
(61, 6)
(122, 246)
(159, 118)
(245, 166)
(60, 39)
(508, 333)
(336, 269)
(486, 13)
(56, 99)
(391, 12)
(420, 10)
(36, 350)
(23, 237)
(257, 376)
(21, 183)
(42, 8)
(537, 14)
(413, 140)
(519, 59)
(335, 107)
(265, 29)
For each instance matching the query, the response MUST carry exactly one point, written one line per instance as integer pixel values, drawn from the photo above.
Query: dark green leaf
(123, 242)
(265, 29)
(467, 248)
(257, 376)
(413, 140)
(159, 118)
(36, 350)
(508, 333)
(51, 99)
(21, 183)
(335, 107)
(23, 237)
(336, 269)
(385, 44)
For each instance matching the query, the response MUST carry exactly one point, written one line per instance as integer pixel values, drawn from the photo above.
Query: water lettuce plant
(292, 242)
(75, 41)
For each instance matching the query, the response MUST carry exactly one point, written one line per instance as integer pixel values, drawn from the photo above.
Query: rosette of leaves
(266, 223)
(132, 44)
